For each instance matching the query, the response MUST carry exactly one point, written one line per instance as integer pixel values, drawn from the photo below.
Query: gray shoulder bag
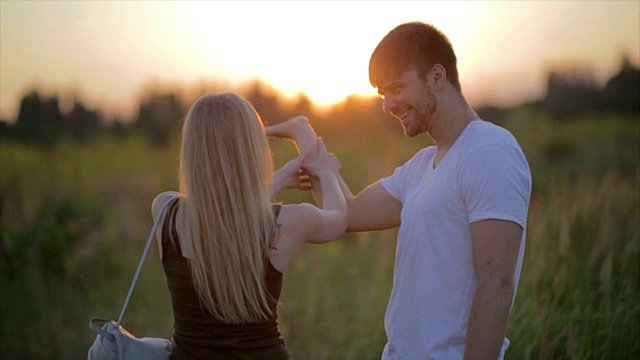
(115, 342)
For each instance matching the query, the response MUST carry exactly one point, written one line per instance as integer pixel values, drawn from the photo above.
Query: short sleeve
(495, 183)
(398, 183)
(393, 184)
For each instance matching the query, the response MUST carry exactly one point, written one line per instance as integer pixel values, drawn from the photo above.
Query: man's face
(411, 100)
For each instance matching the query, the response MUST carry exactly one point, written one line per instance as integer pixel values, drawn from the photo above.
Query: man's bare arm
(372, 209)
(496, 244)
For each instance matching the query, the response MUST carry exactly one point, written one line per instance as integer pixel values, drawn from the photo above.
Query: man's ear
(437, 77)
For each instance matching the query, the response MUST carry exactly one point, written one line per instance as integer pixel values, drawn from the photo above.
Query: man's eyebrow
(383, 88)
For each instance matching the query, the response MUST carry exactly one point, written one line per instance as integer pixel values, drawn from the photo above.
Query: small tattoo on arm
(272, 247)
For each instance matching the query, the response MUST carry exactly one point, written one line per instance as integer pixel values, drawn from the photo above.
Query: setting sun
(298, 55)
(319, 50)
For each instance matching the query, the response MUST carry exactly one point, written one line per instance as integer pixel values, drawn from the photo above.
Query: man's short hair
(413, 45)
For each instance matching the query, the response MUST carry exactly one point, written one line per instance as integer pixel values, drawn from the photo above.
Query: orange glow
(106, 52)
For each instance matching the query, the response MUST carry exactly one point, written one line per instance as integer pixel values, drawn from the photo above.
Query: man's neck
(452, 117)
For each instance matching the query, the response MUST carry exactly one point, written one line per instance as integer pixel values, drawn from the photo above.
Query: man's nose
(388, 104)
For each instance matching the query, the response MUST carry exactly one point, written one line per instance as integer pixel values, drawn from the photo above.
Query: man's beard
(423, 114)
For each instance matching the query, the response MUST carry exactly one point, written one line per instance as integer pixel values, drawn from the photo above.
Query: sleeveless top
(197, 333)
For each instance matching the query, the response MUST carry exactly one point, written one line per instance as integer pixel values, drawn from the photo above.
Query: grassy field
(75, 218)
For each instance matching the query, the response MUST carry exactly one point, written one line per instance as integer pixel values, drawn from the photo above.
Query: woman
(224, 245)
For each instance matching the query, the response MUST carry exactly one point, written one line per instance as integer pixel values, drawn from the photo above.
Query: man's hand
(322, 161)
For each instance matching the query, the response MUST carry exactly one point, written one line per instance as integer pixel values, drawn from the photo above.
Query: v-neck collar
(452, 148)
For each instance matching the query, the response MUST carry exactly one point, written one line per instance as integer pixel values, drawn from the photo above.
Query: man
(461, 206)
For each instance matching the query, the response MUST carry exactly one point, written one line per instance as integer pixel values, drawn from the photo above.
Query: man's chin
(411, 134)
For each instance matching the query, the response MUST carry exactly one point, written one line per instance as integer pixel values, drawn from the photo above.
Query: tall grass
(74, 220)
(579, 297)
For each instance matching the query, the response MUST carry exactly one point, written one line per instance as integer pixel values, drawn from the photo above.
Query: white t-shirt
(484, 175)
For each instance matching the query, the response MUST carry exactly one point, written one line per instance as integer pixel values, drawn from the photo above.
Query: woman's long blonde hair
(225, 212)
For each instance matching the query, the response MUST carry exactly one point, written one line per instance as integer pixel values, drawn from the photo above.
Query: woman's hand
(292, 176)
(297, 129)
(323, 161)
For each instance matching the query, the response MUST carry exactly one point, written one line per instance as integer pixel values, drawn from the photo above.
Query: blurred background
(91, 98)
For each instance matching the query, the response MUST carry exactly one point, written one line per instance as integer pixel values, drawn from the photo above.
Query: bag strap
(143, 258)
(98, 329)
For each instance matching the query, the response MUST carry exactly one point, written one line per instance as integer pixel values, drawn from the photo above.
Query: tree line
(574, 93)
(571, 93)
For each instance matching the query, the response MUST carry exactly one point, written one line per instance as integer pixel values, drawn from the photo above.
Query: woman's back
(198, 334)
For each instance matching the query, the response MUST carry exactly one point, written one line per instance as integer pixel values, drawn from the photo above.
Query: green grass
(74, 220)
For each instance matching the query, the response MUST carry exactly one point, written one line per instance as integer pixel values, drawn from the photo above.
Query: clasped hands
(313, 161)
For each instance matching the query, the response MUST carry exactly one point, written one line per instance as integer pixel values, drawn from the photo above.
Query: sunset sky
(107, 52)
